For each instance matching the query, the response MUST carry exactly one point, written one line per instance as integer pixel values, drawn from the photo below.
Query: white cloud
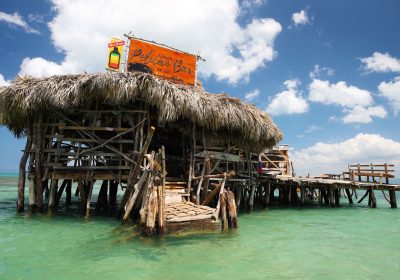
(15, 19)
(211, 28)
(312, 128)
(391, 91)
(40, 67)
(381, 62)
(359, 114)
(334, 157)
(300, 18)
(289, 101)
(338, 94)
(3, 81)
(252, 3)
(252, 95)
(318, 71)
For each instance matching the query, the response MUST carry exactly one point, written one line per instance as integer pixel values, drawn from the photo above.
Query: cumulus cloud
(16, 19)
(250, 96)
(3, 81)
(208, 28)
(312, 128)
(334, 157)
(300, 18)
(289, 101)
(318, 71)
(338, 94)
(380, 62)
(391, 91)
(359, 114)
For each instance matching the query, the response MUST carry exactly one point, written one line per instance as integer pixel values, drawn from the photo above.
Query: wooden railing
(369, 172)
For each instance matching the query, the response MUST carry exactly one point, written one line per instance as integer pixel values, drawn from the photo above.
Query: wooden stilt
(151, 212)
(38, 163)
(372, 198)
(239, 198)
(113, 195)
(60, 191)
(252, 191)
(232, 212)
(82, 196)
(393, 200)
(364, 196)
(102, 198)
(331, 198)
(267, 194)
(320, 196)
(68, 190)
(22, 173)
(32, 198)
(349, 196)
(222, 198)
(206, 181)
(89, 198)
(302, 196)
(52, 196)
(161, 193)
(337, 197)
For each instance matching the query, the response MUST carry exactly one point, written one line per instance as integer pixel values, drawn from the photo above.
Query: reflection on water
(280, 243)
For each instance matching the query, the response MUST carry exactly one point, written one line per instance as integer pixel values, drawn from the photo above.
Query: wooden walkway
(187, 211)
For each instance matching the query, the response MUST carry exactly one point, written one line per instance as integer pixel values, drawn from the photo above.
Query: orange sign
(115, 48)
(162, 62)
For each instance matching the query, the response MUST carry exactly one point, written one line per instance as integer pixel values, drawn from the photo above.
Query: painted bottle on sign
(114, 59)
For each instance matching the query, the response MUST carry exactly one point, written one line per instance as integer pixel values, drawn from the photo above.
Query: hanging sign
(163, 62)
(115, 48)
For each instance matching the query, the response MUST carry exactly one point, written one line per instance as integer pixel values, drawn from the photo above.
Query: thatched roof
(20, 101)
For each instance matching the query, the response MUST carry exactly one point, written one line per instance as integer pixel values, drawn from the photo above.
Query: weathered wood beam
(22, 173)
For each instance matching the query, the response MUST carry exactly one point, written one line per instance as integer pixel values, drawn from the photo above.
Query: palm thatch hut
(88, 127)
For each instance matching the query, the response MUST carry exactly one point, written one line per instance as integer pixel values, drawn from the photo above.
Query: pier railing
(370, 172)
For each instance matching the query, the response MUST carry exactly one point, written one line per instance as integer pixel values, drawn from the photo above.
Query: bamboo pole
(135, 171)
(22, 173)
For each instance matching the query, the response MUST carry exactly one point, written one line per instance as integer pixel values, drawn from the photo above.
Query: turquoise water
(311, 243)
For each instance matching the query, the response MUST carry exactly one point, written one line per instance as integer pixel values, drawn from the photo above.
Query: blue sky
(327, 71)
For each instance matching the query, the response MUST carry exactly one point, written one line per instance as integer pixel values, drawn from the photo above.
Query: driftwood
(132, 200)
(135, 172)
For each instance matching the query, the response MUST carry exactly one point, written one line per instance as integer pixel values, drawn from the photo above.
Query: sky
(328, 72)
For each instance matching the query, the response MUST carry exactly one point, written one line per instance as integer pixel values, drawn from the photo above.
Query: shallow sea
(349, 242)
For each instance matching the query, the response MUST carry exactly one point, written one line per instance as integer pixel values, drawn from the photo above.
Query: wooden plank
(218, 156)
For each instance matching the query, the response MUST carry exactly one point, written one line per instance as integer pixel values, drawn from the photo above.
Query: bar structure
(162, 154)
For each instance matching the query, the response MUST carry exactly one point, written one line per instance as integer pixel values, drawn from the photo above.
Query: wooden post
(217, 190)
(60, 191)
(331, 198)
(102, 198)
(32, 198)
(372, 197)
(206, 181)
(222, 198)
(252, 191)
(82, 195)
(113, 190)
(267, 194)
(239, 198)
(221, 191)
(89, 197)
(151, 212)
(38, 163)
(161, 194)
(68, 190)
(337, 197)
(134, 172)
(191, 160)
(203, 171)
(393, 199)
(302, 196)
(349, 196)
(52, 196)
(232, 212)
(22, 173)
